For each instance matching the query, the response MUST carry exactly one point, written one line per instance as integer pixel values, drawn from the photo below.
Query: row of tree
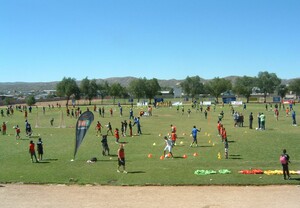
(89, 89)
(265, 83)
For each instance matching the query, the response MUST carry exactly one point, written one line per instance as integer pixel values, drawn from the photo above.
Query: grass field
(248, 149)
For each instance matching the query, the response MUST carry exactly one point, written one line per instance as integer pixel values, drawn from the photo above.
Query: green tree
(30, 100)
(243, 86)
(151, 88)
(7, 101)
(295, 86)
(67, 88)
(267, 83)
(103, 90)
(137, 88)
(116, 90)
(89, 89)
(192, 86)
(282, 90)
(217, 86)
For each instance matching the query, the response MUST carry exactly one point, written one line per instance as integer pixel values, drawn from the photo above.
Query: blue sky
(46, 40)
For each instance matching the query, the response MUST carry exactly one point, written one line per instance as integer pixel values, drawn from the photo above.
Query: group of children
(40, 150)
(223, 134)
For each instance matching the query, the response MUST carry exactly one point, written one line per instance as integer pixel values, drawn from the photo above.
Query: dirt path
(28, 196)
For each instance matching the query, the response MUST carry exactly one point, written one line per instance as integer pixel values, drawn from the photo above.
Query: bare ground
(29, 196)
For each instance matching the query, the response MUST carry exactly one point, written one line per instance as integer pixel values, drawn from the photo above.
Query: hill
(40, 86)
(124, 81)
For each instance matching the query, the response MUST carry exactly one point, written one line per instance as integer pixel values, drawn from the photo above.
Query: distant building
(177, 90)
(228, 96)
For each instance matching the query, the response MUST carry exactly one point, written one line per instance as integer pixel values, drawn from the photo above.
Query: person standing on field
(109, 128)
(168, 147)
(40, 149)
(294, 118)
(285, 160)
(263, 121)
(117, 135)
(194, 135)
(98, 128)
(105, 147)
(3, 128)
(250, 120)
(18, 131)
(32, 151)
(121, 158)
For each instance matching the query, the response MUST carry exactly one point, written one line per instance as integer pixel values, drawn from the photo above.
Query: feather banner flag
(83, 123)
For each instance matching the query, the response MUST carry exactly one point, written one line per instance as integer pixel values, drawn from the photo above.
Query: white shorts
(169, 148)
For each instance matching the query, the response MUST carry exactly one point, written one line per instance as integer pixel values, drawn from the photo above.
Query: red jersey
(173, 136)
(98, 126)
(224, 134)
(31, 147)
(121, 153)
(219, 126)
(117, 136)
(4, 127)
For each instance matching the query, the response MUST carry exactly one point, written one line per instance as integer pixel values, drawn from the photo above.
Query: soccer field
(248, 148)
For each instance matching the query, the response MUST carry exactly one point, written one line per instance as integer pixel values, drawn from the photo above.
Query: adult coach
(194, 135)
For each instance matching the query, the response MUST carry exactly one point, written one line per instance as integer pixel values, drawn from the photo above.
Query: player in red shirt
(117, 135)
(4, 128)
(219, 128)
(32, 151)
(18, 131)
(173, 128)
(224, 134)
(98, 128)
(121, 158)
(173, 138)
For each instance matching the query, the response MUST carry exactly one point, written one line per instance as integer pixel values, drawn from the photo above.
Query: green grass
(247, 149)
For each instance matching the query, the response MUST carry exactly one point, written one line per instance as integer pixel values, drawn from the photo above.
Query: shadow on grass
(23, 139)
(114, 155)
(143, 134)
(177, 157)
(231, 141)
(134, 172)
(49, 159)
(205, 146)
(43, 162)
(235, 157)
(295, 179)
